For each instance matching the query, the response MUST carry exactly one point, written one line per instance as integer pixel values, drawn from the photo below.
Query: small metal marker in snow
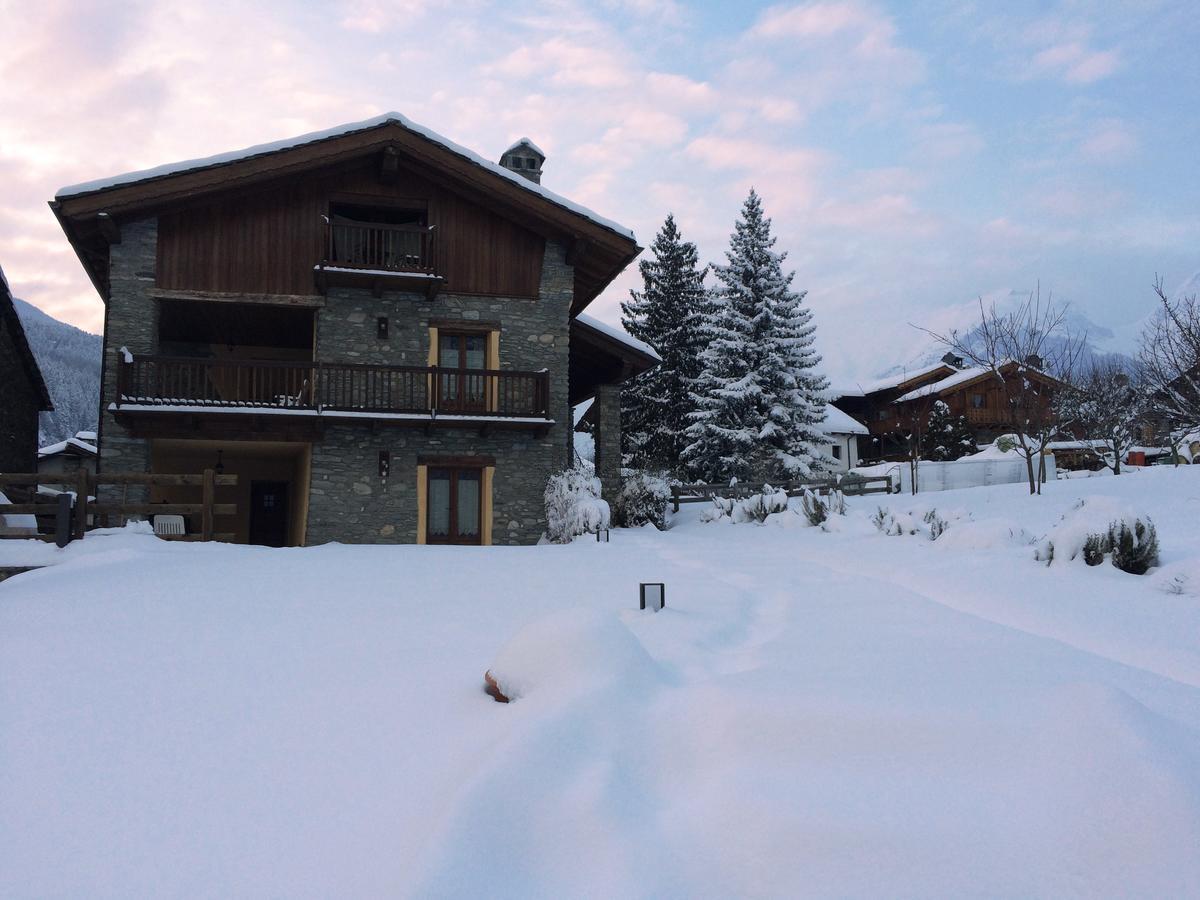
(654, 595)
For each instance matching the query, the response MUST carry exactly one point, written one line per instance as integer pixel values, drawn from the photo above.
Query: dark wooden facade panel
(267, 242)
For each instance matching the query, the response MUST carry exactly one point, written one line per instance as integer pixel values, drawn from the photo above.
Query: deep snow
(813, 713)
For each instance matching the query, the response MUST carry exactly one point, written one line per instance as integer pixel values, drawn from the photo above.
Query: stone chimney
(525, 158)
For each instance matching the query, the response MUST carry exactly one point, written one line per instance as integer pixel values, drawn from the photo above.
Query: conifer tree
(759, 398)
(947, 436)
(666, 314)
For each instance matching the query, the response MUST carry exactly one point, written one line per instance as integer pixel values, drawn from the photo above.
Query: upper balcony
(380, 256)
(403, 395)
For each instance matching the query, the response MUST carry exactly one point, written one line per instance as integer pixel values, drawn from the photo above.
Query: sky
(915, 157)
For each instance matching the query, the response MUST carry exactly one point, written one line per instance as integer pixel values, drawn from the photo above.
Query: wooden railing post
(62, 520)
(81, 502)
(206, 513)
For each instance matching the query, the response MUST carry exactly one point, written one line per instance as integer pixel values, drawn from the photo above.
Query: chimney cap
(526, 144)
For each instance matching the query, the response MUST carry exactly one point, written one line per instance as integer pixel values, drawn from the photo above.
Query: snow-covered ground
(813, 713)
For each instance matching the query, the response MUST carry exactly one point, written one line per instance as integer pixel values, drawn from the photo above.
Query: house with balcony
(894, 407)
(379, 331)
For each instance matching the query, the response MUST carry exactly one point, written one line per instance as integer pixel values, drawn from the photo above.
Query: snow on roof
(89, 436)
(580, 410)
(968, 374)
(176, 168)
(838, 422)
(861, 389)
(53, 449)
(526, 142)
(618, 334)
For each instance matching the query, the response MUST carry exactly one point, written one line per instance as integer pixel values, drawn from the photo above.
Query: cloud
(1111, 141)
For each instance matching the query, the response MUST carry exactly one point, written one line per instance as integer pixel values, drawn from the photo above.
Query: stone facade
(130, 321)
(348, 501)
(607, 418)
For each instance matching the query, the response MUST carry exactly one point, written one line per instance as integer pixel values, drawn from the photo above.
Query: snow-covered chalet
(378, 331)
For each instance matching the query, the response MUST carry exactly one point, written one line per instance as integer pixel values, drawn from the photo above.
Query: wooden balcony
(380, 257)
(411, 395)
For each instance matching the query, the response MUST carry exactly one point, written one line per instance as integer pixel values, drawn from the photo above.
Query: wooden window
(978, 401)
(454, 505)
(464, 387)
(837, 451)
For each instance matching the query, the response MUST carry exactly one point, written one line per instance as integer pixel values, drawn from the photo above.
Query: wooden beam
(161, 509)
(389, 165)
(577, 249)
(312, 301)
(109, 230)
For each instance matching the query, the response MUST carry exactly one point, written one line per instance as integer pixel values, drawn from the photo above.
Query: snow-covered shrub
(814, 510)
(818, 510)
(1095, 546)
(722, 508)
(1134, 547)
(574, 506)
(757, 507)
(1097, 527)
(642, 500)
(931, 525)
(937, 525)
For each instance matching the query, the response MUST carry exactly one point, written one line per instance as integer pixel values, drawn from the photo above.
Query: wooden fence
(850, 485)
(77, 506)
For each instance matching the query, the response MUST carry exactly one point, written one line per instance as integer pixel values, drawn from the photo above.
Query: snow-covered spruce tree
(666, 315)
(759, 398)
(947, 436)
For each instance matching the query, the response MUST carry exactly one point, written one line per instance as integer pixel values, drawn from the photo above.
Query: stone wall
(130, 320)
(606, 414)
(349, 501)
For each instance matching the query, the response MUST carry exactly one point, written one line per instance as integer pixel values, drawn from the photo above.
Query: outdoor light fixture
(219, 468)
(381, 328)
(654, 595)
(385, 463)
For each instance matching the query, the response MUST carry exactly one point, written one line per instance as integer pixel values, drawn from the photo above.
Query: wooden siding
(268, 241)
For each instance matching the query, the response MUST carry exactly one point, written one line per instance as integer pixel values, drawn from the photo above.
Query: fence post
(62, 520)
(81, 502)
(675, 497)
(206, 514)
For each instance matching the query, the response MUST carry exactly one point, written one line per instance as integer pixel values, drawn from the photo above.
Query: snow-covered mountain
(1101, 342)
(70, 362)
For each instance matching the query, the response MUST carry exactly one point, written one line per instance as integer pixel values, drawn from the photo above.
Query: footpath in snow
(814, 713)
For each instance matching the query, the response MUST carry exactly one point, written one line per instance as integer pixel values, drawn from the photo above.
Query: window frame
(453, 537)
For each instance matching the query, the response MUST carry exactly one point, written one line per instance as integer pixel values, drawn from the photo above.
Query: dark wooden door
(269, 513)
(454, 498)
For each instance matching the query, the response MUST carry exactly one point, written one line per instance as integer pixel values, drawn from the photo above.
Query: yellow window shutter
(493, 362)
(422, 487)
(485, 524)
(433, 361)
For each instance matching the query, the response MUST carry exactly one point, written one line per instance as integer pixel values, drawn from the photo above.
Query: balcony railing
(332, 387)
(378, 247)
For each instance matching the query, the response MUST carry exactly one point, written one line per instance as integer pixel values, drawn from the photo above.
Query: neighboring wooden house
(893, 408)
(377, 330)
(24, 391)
(69, 456)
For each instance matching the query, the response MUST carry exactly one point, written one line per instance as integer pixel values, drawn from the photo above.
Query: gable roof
(86, 210)
(891, 382)
(965, 378)
(838, 422)
(12, 323)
